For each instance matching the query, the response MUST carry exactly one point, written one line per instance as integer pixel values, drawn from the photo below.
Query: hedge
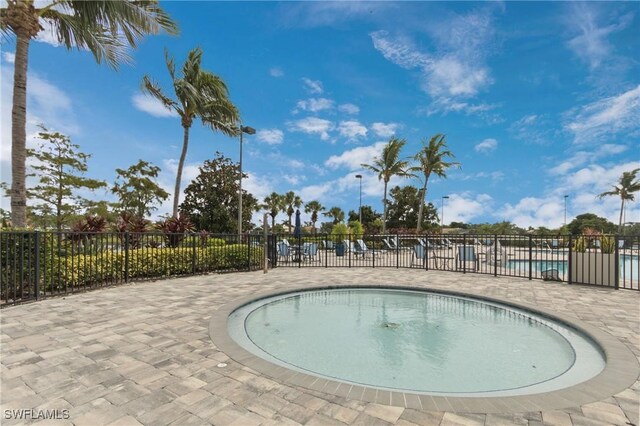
(145, 263)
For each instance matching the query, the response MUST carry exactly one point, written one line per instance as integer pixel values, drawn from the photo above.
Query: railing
(35, 265)
(609, 260)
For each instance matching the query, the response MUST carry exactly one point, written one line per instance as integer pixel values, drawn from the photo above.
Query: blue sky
(538, 100)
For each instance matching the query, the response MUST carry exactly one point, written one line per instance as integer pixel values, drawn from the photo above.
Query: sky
(538, 100)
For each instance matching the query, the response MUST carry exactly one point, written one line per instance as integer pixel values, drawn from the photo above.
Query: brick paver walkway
(141, 354)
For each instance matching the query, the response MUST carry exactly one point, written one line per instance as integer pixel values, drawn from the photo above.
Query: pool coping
(620, 372)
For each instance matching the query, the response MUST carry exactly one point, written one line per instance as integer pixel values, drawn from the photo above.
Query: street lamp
(250, 131)
(442, 208)
(565, 209)
(359, 177)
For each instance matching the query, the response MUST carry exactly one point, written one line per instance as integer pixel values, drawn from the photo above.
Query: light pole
(359, 177)
(442, 208)
(250, 131)
(565, 210)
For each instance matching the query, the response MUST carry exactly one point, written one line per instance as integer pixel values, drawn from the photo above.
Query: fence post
(397, 251)
(193, 254)
(495, 256)
(36, 245)
(248, 252)
(265, 226)
(530, 256)
(569, 267)
(464, 254)
(426, 252)
(126, 257)
(326, 250)
(616, 264)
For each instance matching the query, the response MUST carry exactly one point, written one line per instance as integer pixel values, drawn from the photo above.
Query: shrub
(90, 269)
(608, 244)
(580, 245)
(175, 228)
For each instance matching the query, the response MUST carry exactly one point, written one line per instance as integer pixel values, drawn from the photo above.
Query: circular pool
(416, 341)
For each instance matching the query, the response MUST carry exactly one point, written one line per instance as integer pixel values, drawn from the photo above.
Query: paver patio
(141, 354)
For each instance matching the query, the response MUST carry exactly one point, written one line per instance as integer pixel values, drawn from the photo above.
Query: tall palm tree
(199, 94)
(290, 202)
(431, 160)
(336, 213)
(106, 28)
(273, 203)
(625, 188)
(387, 166)
(313, 207)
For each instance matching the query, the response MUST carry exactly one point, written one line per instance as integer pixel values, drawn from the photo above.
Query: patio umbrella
(297, 232)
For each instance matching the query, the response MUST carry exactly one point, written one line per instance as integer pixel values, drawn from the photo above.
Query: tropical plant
(339, 232)
(290, 202)
(431, 160)
(58, 168)
(627, 185)
(175, 228)
(388, 165)
(137, 189)
(273, 204)
(130, 229)
(336, 213)
(106, 28)
(198, 94)
(313, 207)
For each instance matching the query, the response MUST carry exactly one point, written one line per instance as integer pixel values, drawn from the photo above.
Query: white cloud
(580, 158)
(385, 130)
(314, 105)
(257, 185)
(312, 125)
(532, 129)
(9, 57)
(349, 109)
(486, 146)
(47, 35)
(270, 136)
(151, 105)
(321, 13)
(456, 70)
(276, 72)
(312, 86)
(354, 158)
(352, 129)
(465, 207)
(606, 118)
(591, 43)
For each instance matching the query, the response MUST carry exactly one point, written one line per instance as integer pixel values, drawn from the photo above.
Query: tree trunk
(183, 156)
(19, 134)
(384, 209)
(621, 214)
(421, 209)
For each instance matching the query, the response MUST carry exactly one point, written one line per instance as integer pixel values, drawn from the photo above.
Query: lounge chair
(466, 255)
(419, 254)
(348, 246)
(310, 251)
(284, 251)
(361, 248)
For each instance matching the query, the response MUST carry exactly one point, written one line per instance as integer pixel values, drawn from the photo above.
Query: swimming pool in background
(416, 341)
(629, 266)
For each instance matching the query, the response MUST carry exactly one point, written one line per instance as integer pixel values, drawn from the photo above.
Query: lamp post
(250, 131)
(442, 208)
(359, 177)
(565, 210)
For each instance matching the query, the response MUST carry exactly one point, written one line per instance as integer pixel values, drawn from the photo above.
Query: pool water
(415, 341)
(629, 266)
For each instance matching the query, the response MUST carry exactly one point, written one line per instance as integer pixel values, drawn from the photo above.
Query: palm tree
(431, 160)
(313, 207)
(336, 213)
(387, 166)
(625, 188)
(199, 94)
(106, 28)
(290, 202)
(273, 203)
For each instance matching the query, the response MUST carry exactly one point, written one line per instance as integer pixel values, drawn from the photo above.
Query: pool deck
(141, 354)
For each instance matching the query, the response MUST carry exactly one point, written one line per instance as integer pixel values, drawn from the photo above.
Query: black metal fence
(602, 260)
(36, 265)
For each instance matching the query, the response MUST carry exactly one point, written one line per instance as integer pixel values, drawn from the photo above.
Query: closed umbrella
(297, 232)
